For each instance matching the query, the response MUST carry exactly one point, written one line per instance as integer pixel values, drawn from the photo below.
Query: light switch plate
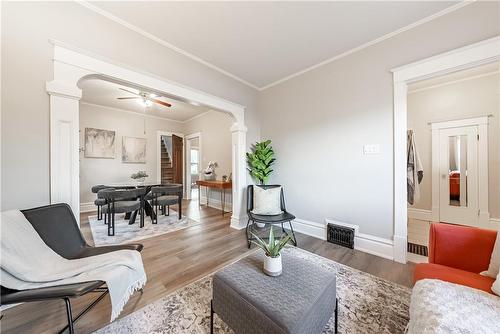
(371, 149)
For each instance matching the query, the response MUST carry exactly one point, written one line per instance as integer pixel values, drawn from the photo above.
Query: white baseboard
(362, 242)
(310, 228)
(88, 207)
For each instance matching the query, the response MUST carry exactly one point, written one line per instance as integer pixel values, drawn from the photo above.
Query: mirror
(457, 170)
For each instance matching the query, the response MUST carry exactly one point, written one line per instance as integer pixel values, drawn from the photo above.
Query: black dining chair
(99, 202)
(164, 196)
(279, 219)
(122, 201)
(58, 228)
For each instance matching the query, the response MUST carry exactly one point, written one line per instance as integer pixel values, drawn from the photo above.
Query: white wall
(320, 120)
(26, 60)
(215, 144)
(476, 97)
(94, 171)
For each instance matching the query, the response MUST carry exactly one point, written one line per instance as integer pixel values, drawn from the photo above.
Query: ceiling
(105, 93)
(474, 72)
(260, 43)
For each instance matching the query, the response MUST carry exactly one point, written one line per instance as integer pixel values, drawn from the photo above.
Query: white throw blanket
(442, 307)
(27, 263)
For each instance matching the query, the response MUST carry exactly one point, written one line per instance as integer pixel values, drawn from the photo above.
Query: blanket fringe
(137, 285)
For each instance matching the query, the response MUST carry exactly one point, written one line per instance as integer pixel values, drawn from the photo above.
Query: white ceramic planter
(272, 265)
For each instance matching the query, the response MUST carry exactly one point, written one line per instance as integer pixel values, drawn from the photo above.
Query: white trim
(363, 242)
(452, 82)
(187, 139)
(482, 166)
(164, 43)
(135, 113)
(373, 42)
(88, 207)
(462, 58)
(69, 67)
(160, 41)
(313, 229)
(420, 214)
(457, 123)
(196, 116)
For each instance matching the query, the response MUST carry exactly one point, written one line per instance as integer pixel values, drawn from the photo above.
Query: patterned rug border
(202, 279)
(140, 238)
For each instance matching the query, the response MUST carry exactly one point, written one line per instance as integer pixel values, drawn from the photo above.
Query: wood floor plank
(176, 259)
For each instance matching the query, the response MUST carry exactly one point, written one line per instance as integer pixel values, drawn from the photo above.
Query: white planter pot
(260, 225)
(272, 265)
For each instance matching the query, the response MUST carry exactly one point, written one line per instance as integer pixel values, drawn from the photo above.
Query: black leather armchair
(58, 228)
(282, 218)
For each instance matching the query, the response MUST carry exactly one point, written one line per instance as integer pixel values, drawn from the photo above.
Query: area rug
(125, 233)
(367, 304)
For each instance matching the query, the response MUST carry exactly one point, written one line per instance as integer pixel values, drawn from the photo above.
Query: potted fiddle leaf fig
(260, 161)
(272, 249)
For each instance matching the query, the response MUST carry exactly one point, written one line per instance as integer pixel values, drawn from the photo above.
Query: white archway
(70, 66)
(455, 60)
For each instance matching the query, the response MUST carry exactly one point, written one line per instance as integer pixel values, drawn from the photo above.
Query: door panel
(458, 188)
(177, 161)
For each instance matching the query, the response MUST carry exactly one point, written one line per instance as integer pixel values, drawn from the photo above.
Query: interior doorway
(484, 52)
(193, 164)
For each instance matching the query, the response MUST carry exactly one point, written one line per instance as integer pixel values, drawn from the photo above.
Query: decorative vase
(272, 265)
(209, 177)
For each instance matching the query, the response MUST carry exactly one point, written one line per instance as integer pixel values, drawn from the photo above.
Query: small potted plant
(140, 176)
(272, 249)
(209, 172)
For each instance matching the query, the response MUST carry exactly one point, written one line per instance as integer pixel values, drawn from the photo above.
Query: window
(194, 161)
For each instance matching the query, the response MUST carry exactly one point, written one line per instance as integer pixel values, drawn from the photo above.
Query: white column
(239, 175)
(64, 145)
(400, 173)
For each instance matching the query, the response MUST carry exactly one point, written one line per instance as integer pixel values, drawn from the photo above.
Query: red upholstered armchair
(458, 254)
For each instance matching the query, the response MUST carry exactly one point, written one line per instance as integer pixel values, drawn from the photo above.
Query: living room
(316, 103)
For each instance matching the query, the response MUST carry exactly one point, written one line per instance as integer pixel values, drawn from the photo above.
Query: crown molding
(158, 40)
(447, 83)
(162, 42)
(373, 42)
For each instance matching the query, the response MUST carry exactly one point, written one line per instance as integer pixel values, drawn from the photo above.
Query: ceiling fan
(146, 99)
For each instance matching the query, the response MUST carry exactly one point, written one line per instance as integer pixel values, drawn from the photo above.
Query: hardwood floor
(176, 259)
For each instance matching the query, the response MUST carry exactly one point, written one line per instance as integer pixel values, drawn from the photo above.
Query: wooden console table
(216, 184)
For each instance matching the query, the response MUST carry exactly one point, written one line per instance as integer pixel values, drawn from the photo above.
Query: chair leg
(248, 234)
(69, 315)
(293, 233)
(283, 228)
(105, 220)
(98, 212)
(168, 210)
(113, 223)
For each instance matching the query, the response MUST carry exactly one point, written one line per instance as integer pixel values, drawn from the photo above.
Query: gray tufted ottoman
(301, 300)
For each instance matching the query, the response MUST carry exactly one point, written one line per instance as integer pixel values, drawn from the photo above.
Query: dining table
(148, 208)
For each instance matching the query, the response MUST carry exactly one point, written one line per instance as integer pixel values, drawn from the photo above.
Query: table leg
(222, 198)
(199, 196)
(208, 194)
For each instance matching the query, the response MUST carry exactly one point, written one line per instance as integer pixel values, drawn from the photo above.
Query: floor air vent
(340, 235)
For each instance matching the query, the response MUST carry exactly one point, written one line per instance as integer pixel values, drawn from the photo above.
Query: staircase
(167, 171)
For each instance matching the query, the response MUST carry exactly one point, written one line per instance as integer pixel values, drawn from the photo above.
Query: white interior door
(458, 168)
